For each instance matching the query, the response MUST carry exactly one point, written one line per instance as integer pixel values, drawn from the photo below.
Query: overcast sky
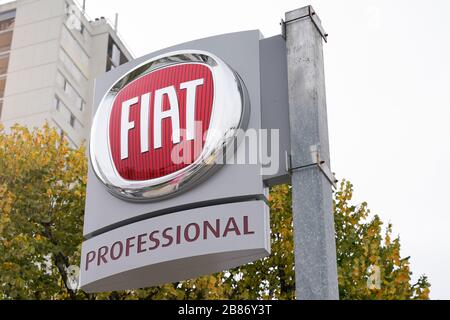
(388, 83)
(388, 86)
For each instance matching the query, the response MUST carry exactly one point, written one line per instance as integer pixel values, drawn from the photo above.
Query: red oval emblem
(156, 112)
(162, 126)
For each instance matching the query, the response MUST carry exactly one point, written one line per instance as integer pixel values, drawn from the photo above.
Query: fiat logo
(159, 130)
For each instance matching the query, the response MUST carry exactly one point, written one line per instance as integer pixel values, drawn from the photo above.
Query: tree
(361, 246)
(42, 192)
(361, 249)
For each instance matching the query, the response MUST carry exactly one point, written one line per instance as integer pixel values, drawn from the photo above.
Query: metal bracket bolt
(321, 164)
(312, 15)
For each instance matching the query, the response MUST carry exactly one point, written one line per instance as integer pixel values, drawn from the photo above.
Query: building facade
(50, 54)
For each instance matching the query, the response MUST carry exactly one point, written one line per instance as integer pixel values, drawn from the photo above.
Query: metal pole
(314, 234)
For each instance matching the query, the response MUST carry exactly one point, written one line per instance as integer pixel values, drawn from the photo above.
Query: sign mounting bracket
(317, 162)
(314, 18)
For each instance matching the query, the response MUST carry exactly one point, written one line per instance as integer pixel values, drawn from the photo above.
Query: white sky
(388, 85)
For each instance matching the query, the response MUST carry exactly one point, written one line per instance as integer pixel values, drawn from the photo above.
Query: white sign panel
(161, 204)
(174, 247)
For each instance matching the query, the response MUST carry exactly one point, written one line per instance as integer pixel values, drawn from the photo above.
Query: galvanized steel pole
(314, 234)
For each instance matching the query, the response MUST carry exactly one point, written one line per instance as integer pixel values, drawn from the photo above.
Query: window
(58, 129)
(72, 94)
(72, 120)
(72, 68)
(60, 80)
(115, 56)
(7, 20)
(7, 24)
(57, 103)
(66, 115)
(61, 132)
(64, 135)
(4, 62)
(62, 108)
(109, 65)
(5, 41)
(2, 86)
(74, 49)
(68, 9)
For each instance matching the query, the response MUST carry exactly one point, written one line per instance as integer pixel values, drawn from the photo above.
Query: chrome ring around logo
(133, 165)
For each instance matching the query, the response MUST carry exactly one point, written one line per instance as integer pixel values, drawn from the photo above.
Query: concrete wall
(30, 80)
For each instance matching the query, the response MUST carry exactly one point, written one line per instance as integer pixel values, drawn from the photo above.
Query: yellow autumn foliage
(42, 192)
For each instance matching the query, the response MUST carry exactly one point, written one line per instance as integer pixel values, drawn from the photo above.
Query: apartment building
(50, 54)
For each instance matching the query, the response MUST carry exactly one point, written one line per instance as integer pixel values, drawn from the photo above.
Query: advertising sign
(163, 202)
